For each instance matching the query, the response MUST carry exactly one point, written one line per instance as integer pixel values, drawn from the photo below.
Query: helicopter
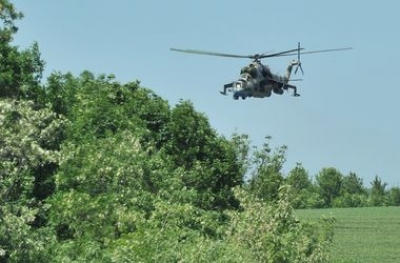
(256, 79)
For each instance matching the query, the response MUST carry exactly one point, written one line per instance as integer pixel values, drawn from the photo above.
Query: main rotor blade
(278, 54)
(210, 53)
(316, 51)
(291, 52)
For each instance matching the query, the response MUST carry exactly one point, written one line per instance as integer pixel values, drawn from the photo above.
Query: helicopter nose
(239, 85)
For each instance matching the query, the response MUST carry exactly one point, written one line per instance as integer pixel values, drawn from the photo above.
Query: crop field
(370, 234)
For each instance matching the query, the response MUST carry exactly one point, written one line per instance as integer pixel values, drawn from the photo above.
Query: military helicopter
(256, 79)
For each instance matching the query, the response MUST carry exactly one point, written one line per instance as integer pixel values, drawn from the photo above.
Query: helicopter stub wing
(227, 86)
(287, 86)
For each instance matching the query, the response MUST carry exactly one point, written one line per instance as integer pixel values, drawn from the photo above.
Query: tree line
(328, 188)
(92, 170)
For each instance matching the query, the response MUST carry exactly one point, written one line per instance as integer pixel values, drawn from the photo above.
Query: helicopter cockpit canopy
(245, 77)
(249, 70)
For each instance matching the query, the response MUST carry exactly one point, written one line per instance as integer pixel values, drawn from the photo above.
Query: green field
(362, 234)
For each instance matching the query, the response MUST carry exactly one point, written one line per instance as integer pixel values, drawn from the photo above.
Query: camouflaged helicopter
(256, 79)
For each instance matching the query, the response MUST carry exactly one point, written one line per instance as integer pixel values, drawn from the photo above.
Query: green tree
(352, 193)
(266, 176)
(210, 161)
(271, 233)
(352, 184)
(305, 194)
(104, 190)
(241, 143)
(61, 90)
(378, 193)
(29, 156)
(298, 178)
(329, 182)
(20, 71)
(394, 196)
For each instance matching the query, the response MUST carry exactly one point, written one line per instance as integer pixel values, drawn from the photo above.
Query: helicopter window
(244, 70)
(251, 70)
(245, 76)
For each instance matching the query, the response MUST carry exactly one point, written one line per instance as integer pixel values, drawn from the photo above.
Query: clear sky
(347, 116)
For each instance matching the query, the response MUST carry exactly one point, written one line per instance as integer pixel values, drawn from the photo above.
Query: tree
(241, 143)
(305, 195)
(271, 233)
(210, 161)
(352, 184)
(266, 177)
(20, 71)
(394, 196)
(352, 193)
(298, 178)
(378, 193)
(329, 182)
(29, 156)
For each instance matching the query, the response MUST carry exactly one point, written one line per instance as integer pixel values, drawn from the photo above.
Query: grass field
(370, 234)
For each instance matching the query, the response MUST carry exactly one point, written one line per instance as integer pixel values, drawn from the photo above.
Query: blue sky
(347, 116)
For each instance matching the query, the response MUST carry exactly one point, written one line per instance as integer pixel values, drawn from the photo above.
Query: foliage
(28, 158)
(194, 145)
(29, 146)
(352, 184)
(378, 196)
(329, 182)
(394, 196)
(20, 71)
(266, 176)
(351, 200)
(304, 192)
(271, 233)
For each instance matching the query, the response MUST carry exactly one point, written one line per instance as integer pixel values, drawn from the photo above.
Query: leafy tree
(241, 143)
(271, 233)
(352, 184)
(329, 182)
(210, 161)
(100, 107)
(266, 176)
(20, 71)
(352, 192)
(394, 196)
(29, 157)
(351, 200)
(305, 195)
(104, 190)
(298, 178)
(29, 150)
(378, 193)
(61, 90)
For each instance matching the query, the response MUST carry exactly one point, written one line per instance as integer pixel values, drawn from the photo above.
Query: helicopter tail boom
(290, 69)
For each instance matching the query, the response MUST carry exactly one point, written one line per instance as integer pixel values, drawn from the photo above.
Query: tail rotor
(298, 60)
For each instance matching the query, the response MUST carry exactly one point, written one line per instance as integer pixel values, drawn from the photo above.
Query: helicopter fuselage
(256, 80)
